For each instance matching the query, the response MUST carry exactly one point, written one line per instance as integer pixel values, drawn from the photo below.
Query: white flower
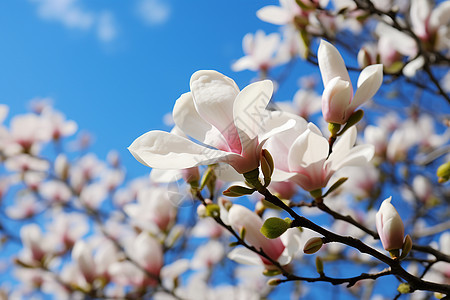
(303, 152)
(390, 226)
(223, 119)
(338, 102)
(260, 52)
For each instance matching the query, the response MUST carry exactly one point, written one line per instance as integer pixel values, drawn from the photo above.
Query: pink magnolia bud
(241, 217)
(390, 226)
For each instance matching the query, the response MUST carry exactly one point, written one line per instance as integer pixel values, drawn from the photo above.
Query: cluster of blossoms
(307, 183)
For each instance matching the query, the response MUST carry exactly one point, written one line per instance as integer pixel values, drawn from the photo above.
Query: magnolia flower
(280, 249)
(153, 211)
(260, 52)
(431, 25)
(338, 102)
(389, 226)
(303, 152)
(223, 119)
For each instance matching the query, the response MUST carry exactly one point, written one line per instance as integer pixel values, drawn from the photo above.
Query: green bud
(237, 191)
(335, 186)
(313, 245)
(213, 210)
(443, 172)
(270, 273)
(394, 253)
(208, 177)
(316, 193)
(407, 246)
(334, 128)
(319, 265)
(404, 288)
(354, 118)
(242, 233)
(274, 227)
(274, 281)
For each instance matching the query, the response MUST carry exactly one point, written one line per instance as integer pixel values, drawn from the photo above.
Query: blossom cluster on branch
(251, 197)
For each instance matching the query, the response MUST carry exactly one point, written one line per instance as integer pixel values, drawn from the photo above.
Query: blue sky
(116, 67)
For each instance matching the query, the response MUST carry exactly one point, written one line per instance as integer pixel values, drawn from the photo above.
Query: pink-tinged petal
(308, 149)
(244, 256)
(214, 95)
(280, 143)
(241, 217)
(369, 82)
(274, 14)
(162, 150)
(331, 63)
(250, 108)
(335, 101)
(192, 124)
(440, 16)
(419, 13)
(389, 226)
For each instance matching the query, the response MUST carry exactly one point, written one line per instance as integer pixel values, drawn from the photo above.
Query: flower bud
(443, 172)
(313, 245)
(389, 226)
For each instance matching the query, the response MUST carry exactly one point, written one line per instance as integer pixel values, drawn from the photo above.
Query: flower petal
(163, 150)
(249, 108)
(192, 124)
(214, 95)
(335, 100)
(331, 63)
(244, 256)
(309, 148)
(274, 14)
(369, 82)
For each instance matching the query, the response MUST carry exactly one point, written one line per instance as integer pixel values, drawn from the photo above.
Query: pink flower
(241, 217)
(338, 102)
(303, 152)
(390, 226)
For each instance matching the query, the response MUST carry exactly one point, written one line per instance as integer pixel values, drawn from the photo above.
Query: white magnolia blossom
(261, 52)
(303, 152)
(223, 119)
(338, 101)
(390, 226)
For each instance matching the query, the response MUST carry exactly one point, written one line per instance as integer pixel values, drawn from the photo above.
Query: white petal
(162, 150)
(244, 256)
(214, 96)
(440, 16)
(336, 100)
(369, 82)
(191, 123)
(247, 43)
(331, 63)
(250, 107)
(413, 66)
(265, 46)
(165, 176)
(244, 63)
(307, 149)
(274, 14)
(357, 156)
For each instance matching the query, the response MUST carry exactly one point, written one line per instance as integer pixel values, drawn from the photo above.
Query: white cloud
(106, 29)
(72, 15)
(153, 12)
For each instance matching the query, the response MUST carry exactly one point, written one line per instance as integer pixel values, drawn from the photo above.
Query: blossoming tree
(251, 197)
